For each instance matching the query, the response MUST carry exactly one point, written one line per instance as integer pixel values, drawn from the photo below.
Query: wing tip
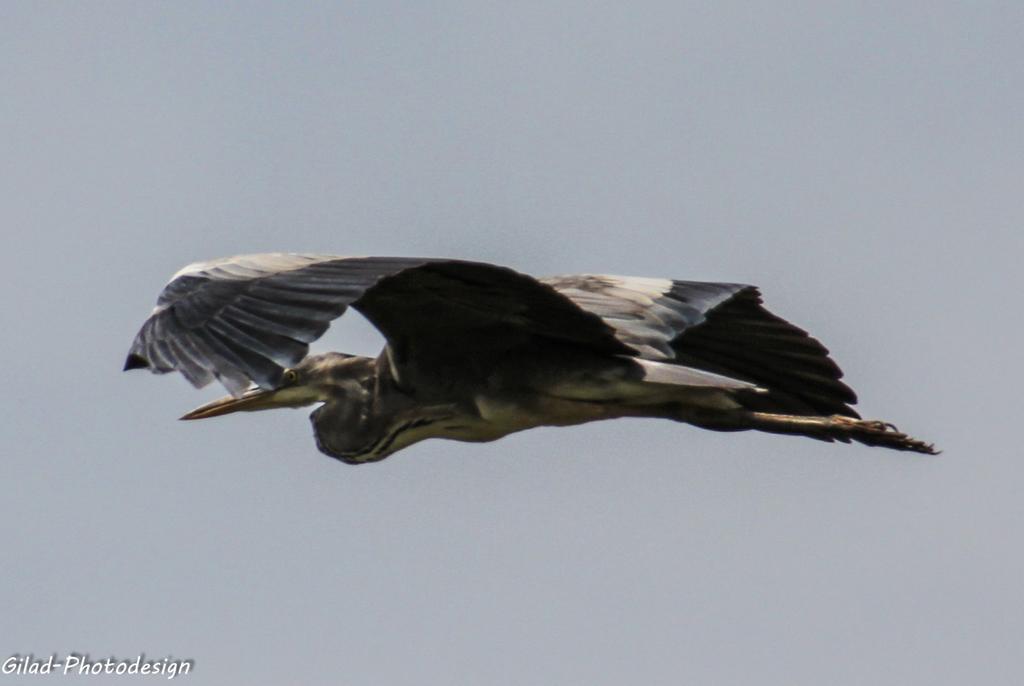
(135, 361)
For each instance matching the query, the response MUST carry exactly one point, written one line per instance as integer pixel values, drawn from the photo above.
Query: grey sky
(861, 162)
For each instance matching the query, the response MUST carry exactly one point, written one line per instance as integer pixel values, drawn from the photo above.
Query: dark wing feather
(742, 339)
(244, 319)
(720, 328)
(450, 322)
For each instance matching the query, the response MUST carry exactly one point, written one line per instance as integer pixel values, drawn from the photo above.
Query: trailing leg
(831, 428)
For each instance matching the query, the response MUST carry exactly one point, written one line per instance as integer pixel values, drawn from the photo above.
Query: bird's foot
(874, 432)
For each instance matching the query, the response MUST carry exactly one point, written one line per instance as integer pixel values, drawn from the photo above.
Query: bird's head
(316, 379)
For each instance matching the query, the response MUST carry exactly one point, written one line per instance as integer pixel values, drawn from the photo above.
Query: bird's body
(515, 400)
(475, 352)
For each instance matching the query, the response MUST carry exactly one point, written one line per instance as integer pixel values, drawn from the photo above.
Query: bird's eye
(290, 376)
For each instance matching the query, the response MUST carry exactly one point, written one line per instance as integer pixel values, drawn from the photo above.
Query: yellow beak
(252, 400)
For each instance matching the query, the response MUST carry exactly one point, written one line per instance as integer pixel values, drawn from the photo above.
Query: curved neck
(369, 416)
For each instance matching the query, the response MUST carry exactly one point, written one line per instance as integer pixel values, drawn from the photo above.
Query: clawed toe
(883, 427)
(874, 432)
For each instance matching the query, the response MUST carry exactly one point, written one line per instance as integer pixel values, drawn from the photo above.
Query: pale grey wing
(244, 319)
(647, 314)
(717, 327)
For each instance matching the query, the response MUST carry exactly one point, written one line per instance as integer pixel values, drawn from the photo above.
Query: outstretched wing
(244, 319)
(720, 328)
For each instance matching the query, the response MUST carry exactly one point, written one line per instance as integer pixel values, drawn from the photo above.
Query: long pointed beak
(251, 400)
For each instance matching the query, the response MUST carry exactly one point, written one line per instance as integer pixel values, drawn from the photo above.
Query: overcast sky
(861, 162)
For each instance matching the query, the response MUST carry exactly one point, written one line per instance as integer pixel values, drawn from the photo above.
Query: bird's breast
(509, 415)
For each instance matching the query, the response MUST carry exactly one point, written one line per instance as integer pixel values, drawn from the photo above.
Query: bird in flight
(477, 351)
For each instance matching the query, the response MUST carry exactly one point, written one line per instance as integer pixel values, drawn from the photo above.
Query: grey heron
(476, 351)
